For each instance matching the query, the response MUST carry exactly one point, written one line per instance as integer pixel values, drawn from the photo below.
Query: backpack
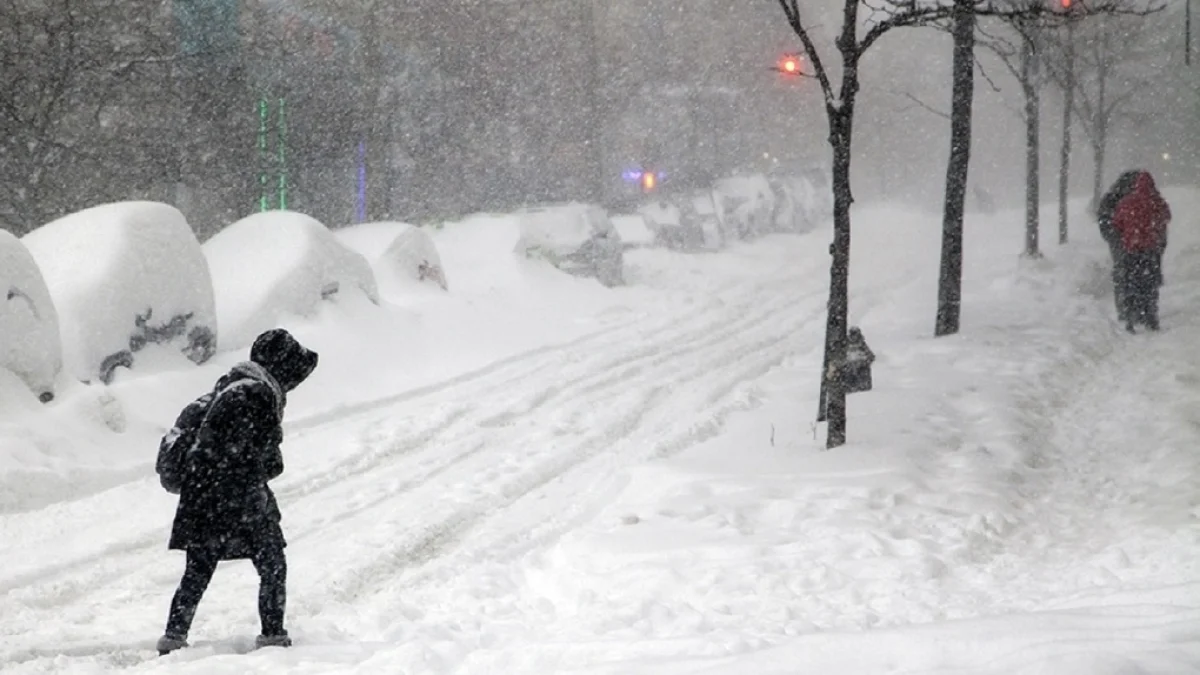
(173, 449)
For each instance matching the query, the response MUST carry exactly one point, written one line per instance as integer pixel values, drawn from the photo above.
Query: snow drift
(124, 275)
(576, 238)
(29, 342)
(279, 263)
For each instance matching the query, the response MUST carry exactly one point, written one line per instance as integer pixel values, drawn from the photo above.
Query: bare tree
(1107, 54)
(840, 98)
(949, 308)
(1020, 50)
(66, 101)
(1027, 17)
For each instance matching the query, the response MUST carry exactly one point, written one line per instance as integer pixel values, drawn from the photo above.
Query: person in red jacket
(1139, 223)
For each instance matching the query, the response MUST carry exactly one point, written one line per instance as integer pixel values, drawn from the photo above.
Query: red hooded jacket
(1141, 217)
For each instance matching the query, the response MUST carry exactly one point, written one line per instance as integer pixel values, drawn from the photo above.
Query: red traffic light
(789, 64)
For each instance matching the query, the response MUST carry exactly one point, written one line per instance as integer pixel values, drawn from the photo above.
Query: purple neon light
(361, 206)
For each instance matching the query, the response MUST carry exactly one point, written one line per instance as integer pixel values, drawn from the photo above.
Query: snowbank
(122, 276)
(29, 342)
(279, 263)
(577, 238)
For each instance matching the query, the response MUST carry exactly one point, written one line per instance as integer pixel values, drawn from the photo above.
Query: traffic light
(1065, 4)
(789, 64)
(649, 181)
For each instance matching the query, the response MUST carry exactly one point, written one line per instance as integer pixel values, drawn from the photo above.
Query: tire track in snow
(94, 579)
(600, 377)
(405, 547)
(596, 385)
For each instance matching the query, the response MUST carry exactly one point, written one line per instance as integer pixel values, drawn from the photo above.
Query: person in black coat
(1105, 212)
(226, 510)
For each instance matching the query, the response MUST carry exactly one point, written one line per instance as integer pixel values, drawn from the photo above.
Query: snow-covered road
(411, 490)
(1021, 496)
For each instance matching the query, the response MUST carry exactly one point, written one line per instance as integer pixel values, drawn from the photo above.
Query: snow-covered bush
(745, 206)
(279, 263)
(29, 342)
(577, 238)
(124, 275)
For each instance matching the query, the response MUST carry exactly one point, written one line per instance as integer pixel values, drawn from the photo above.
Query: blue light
(632, 176)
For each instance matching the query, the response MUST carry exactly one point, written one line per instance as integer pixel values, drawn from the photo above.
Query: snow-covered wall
(29, 341)
(279, 263)
(123, 275)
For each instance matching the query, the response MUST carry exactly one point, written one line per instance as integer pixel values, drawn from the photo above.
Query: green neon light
(283, 172)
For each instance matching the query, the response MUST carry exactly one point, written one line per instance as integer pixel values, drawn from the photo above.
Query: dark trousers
(1118, 280)
(271, 565)
(1141, 274)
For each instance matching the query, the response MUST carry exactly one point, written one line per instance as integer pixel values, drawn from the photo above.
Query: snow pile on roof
(370, 239)
(576, 238)
(633, 229)
(29, 343)
(124, 275)
(275, 264)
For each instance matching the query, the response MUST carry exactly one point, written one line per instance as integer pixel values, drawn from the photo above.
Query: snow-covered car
(802, 199)
(122, 276)
(745, 206)
(29, 341)
(275, 264)
(688, 222)
(576, 238)
(400, 252)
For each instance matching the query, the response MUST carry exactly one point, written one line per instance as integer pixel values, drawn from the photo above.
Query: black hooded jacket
(224, 501)
(1108, 206)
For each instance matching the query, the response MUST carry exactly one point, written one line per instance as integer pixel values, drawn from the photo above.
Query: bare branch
(925, 106)
(792, 10)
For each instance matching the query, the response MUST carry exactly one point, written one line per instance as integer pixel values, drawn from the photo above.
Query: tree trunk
(1029, 82)
(950, 277)
(1064, 155)
(833, 391)
(1100, 137)
(1099, 144)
